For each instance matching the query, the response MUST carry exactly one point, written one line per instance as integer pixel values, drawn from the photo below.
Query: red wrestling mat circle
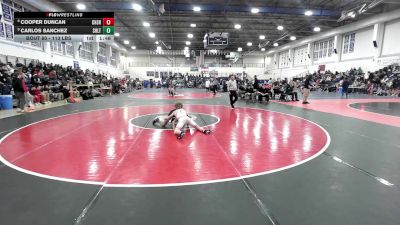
(342, 107)
(180, 95)
(103, 147)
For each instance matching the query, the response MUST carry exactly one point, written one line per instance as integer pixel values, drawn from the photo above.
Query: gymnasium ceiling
(173, 26)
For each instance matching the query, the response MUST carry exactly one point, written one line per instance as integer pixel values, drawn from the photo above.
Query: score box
(108, 30)
(98, 38)
(108, 21)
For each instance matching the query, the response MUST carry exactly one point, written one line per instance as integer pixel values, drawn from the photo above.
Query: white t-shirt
(232, 85)
(207, 83)
(179, 113)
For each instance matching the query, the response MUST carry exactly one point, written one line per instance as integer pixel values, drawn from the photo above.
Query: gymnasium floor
(102, 162)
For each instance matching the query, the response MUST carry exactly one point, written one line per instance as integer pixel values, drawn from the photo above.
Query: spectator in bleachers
(37, 95)
(4, 89)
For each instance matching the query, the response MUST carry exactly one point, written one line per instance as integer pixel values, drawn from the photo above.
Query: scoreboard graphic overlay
(64, 26)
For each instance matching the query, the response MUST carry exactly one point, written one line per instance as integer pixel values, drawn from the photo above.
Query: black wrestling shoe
(207, 132)
(156, 120)
(180, 136)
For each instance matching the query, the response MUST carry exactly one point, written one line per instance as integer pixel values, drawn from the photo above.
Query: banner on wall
(9, 31)
(76, 64)
(321, 68)
(2, 32)
(8, 2)
(6, 12)
(382, 62)
(18, 7)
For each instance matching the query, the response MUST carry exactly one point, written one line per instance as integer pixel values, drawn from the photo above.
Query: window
(348, 43)
(86, 51)
(316, 50)
(323, 49)
(34, 44)
(57, 47)
(330, 48)
(352, 41)
(101, 56)
(284, 59)
(301, 55)
(69, 49)
(113, 58)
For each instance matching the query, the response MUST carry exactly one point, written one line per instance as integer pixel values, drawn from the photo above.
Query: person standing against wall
(306, 89)
(215, 86)
(207, 84)
(232, 88)
(345, 87)
(18, 86)
(255, 84)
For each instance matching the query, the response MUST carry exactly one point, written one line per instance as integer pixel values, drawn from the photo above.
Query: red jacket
(24, 86)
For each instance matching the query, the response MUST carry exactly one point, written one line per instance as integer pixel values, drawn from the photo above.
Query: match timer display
(64, 26)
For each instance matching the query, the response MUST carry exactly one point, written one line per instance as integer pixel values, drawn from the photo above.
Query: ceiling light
(126, 42)
(263, 49)
(280, 27)
(133, 47)
(255, 10)
(192, 25)
(187, 43)
(276, 44)
(262, 37)
(308, 13)
(190, 35)
(137, 7)
(117, 34)
(196, 9)
(152, 35)
(353, 16)
(240, 49)
(238, 26)
(350, 13)
(292, 38)
(81, 6)
(146, 24)
(249, 44)
(157, 42)
(317, 29)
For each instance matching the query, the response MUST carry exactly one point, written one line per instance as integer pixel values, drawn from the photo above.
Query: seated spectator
(4, 89)
(97, 93)
(290, 90)
(263, 92)
(241, 91)
(37, 95)
(277, 89)
(87, 94)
